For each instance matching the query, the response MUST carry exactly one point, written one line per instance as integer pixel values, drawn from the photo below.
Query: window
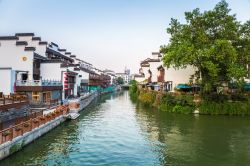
(35, 96)
(46, 97)
(24, 76)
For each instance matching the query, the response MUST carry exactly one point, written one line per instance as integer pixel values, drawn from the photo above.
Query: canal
(115, 131)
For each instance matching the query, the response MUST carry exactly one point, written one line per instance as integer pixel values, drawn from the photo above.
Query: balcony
(37, 85)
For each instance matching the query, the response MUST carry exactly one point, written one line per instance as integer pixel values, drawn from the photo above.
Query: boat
(73, 116)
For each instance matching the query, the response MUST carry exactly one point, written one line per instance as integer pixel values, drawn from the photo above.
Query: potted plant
(18, 128)
(47, 116)
(35, 121)
(42, 118)
(26, 125)
(6, 133)
(57, 111)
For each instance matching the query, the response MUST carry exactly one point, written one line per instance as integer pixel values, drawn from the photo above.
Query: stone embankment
(16, 137)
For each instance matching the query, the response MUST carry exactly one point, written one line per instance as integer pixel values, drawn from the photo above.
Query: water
(115, 131)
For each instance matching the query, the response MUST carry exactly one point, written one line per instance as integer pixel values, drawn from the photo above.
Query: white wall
(51, 71)
(180, 76)
(145, 71)
(85, 75)
(153, 68)
(40, 49)
(6, 84)
(12, 56)
(140, 79)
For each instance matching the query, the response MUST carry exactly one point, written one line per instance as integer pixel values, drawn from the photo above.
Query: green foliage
(133, 90)
(182, 100)
(225, 108)
(177, 104)
(147, 97)
(213, 104)
(120, 80)
(132, 82)
(167, 102)
(220, 98)
(16, 147)
(212, 41)
(182, 109)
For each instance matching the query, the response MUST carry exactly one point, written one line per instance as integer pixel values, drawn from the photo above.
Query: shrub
(238, 97)
(215, 97)
(133, 90)
(6, 133)
(178, 104)
(18, 128)
(26, 125)
(225, 108)
(147, 97)
(182, 109)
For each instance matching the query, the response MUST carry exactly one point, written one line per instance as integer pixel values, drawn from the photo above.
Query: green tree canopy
(120, 80)
(213, 41)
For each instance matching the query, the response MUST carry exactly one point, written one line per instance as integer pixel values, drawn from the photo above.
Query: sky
(111, 34)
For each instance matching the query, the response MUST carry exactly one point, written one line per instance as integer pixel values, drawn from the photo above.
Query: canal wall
(19, 142)
(76, 105)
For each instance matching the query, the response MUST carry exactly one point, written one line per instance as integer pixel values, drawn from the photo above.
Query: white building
(139, 78)
(43, 71)
(125, 76)
(21, 56)
(153, 71)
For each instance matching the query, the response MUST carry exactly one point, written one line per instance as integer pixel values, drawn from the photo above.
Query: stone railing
(10, 133)
(38, 83)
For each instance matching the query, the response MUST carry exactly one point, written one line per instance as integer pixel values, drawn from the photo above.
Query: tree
(120, 80)
(244, 45)
(212, 42)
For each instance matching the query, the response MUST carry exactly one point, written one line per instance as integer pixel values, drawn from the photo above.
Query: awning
(183, 86)
(246, 86)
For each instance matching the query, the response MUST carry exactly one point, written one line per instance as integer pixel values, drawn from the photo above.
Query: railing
(10, 133)
(51, 83)
(13, 99)
(28, 83)
(38, 83)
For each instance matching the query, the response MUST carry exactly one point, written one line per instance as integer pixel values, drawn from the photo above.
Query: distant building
(125, 76)
(112, 75)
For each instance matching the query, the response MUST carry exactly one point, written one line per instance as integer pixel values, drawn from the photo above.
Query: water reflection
(191, 140)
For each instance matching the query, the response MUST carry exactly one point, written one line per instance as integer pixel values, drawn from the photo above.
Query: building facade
(153, 73)
(44, 71)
